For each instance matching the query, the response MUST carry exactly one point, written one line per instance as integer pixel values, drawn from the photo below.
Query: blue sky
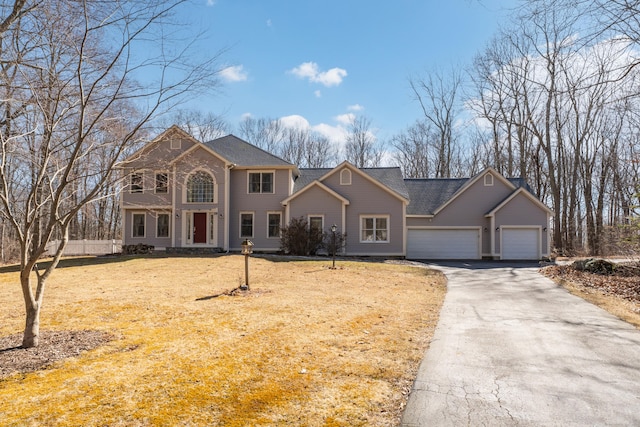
(316, 61)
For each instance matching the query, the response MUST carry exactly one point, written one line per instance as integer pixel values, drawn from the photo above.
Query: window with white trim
(246, 224)
(316, 222)
(345, 177)
(176, 144)
(162, 225)
(136, 184)
(274, 220)
(200, 188)
(374, 229)
(261, 182)
(488, 180)
(138, 223)
(162, 182)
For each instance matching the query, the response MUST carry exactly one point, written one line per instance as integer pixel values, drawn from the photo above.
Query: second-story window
(200, 188)
(162, 182)
(260, 182)
(136, 182)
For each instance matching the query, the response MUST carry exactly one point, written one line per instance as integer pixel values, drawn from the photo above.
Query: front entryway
(200, 227)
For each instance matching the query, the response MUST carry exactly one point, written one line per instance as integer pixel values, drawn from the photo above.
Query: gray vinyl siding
(522, 211)
(260, 204)
(470, 207)
(189, 164)
(150, 229)
(316, 201)
(367, 198)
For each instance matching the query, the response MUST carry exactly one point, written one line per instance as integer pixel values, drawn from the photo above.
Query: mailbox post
(247, 249)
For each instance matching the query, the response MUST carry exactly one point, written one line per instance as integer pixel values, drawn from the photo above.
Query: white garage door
(443, 244)
(520, 243)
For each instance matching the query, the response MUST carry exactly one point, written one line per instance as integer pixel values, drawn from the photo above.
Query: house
(182, 193)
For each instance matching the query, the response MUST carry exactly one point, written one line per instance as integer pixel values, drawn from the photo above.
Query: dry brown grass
(309, 346)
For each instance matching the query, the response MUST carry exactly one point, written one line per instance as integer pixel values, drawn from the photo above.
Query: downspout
(173, 207)
(227, 209)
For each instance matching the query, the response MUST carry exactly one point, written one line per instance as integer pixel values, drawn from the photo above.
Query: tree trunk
(31, 336)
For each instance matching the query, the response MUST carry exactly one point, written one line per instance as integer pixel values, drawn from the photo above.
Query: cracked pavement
(514, 349)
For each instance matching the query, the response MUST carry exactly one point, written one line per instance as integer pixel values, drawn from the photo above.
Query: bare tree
(70, 97)
(438, 96)
(361, 148)
(202, 126)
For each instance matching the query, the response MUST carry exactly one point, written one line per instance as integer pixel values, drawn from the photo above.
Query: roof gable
(430, 196)
(520, 191)
(173, 132)
(319, 185)
(387, 179)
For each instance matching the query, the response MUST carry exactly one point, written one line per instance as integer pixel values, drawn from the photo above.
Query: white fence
(87, 247)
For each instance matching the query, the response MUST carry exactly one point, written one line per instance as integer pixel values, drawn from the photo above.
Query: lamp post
(247, 249)
(333, 245)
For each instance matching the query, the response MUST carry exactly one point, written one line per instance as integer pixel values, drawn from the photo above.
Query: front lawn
(308, 346)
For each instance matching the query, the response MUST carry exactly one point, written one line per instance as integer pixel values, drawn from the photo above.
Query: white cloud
(345, 119)
(269, 23)
(311, 71)
(335, 134)
(211, 2)
(246, 116)
(234, 73)
(318, 94)
(355, 107)
(295, 121)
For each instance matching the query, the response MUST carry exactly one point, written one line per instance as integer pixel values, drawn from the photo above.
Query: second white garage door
(443, 243)
(520, 243)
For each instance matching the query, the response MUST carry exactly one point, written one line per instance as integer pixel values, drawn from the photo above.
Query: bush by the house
(298, 238)
(139, 249)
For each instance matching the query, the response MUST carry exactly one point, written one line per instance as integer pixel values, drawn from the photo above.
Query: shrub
(298, 238)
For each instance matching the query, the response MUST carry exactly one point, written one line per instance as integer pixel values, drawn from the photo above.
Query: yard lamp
(333, 244)
(247, 249)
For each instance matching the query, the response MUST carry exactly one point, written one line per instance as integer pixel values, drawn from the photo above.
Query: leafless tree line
(71, 109)
(553, 99)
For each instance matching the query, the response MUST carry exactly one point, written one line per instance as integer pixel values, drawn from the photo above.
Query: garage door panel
(520, 244)
(443, 244)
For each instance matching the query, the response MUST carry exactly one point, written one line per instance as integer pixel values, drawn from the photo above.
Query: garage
(443, 243)
(520, 244)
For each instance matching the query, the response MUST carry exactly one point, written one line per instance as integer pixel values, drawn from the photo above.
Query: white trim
(262, 171)
(142, 176)
(157, 214)
(185, 187)
(253, 224)
(133, 223)
(175, 146)
(478, 230)
(369, 178)
(488, 182)
(187, 224)
(374, 216)
(280, 224)
(323, 187)
(343, 180)
(321, 216)
(521, 227)
(155, 181)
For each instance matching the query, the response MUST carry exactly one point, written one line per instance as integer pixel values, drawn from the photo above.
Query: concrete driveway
(513, 349)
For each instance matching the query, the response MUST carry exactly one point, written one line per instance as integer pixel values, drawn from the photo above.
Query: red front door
(199, 227)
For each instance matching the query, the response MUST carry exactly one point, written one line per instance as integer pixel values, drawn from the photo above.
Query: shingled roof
(242, 153)
(390, 177)
(427, 195)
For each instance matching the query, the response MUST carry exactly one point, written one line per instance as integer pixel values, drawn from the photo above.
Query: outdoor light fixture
(544, 229)
(497, 228)
(247, 249)
(333, 246)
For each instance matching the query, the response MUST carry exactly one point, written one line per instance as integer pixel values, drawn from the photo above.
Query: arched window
(200, 188)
